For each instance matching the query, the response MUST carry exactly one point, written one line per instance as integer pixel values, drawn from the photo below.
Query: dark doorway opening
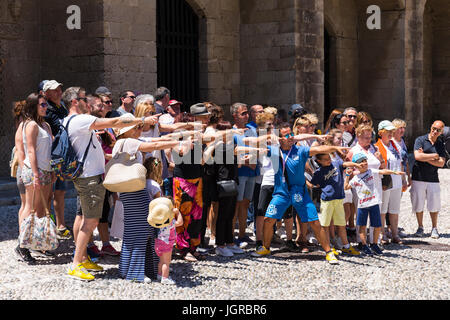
(177, 29)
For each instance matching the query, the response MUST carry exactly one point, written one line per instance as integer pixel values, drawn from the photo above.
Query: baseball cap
(199, 109)
(386, 125)
(51, 85)
(297, 108)
(359, 157)
(41, 85)
(174, 102)
(103, 90)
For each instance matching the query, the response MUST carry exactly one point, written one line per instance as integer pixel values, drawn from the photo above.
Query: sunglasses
(43, 105)
(289, 135)
(108, 102)
(345, 123)
(436, 129)
(84, 99)
(132, 97)
(351, 116)
(244, 113)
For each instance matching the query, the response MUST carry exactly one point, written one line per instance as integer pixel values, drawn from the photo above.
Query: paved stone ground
(418, 269)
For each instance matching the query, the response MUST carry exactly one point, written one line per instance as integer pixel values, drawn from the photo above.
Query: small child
(368, 199)
(154, 177)
(163, 215)
(330, 178)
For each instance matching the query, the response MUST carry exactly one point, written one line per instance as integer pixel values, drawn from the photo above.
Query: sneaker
(365, 249)
(261, 252)
(419, 233)
(91, 266)
(241, 243)
(80, 273)
(63, 234)
(290, 245)
(168, 281)
(109, 250)
(235, 249)
(281, 233)
(42, 253)
(247, 239)
(93, 253)
(434, 233)
(351, 251)
(331, 258)
(312, 239)
(224, 252)
(24, 255)
(375, 248)
(336, 252)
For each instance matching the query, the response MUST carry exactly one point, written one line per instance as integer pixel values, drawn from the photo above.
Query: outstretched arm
(326, 149)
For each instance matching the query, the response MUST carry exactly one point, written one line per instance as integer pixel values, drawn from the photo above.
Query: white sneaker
(224, 252)
(281, 233)
(235, 249)
(434, 233)
(168, 281)
(312, 239)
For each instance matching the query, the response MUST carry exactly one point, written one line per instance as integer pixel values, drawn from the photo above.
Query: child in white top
(154, 177)
(363, 181)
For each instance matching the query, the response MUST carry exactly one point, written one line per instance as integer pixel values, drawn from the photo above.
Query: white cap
(125, 129)
(51, 85)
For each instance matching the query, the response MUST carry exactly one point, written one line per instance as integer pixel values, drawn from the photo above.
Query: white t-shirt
(394, 164)
(80, 135)
(366, 190)
(152, 188)
(130, 146)
(148, 136)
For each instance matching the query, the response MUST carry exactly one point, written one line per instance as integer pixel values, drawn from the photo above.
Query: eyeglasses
(367, 122)
(43, 105)
(108, 102)
(345, 123)
(84, 99)
(244, 113)
(351, 116)
(436, 129)
(269, 124)
(132, 97)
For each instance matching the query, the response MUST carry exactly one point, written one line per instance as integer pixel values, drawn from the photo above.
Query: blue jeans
(168, 187)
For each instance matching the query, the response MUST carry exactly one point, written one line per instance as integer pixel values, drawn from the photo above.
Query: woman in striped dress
(138, 260)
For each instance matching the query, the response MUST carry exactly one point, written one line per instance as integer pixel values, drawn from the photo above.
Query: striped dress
(138, 258)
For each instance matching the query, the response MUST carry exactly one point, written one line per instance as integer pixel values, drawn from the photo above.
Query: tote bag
(124, 172)
(38, 233)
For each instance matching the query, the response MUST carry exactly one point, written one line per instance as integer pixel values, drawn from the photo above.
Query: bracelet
(143, 120)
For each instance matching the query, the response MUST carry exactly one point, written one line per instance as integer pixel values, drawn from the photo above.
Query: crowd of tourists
(209, 180)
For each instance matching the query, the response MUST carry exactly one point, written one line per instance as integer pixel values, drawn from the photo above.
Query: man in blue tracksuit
(290, 187)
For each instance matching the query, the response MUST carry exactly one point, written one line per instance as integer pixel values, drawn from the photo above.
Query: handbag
(124, 172)
(227, 188)
(14, 163)
(38, 233)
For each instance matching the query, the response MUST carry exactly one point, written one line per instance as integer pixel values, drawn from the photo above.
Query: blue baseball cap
(41, 85)
(359, 157)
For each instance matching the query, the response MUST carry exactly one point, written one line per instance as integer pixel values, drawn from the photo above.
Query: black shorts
(265, 195)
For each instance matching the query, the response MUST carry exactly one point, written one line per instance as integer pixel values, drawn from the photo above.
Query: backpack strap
(90, 140)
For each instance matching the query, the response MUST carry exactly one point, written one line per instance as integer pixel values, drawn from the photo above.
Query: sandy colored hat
(121, 131)
(51, 85)
(160, 212)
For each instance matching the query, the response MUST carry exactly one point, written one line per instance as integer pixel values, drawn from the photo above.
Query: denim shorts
(245, 188)
(373, 212)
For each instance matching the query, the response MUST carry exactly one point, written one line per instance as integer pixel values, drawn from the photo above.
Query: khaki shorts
(92, 194)
(333, 209)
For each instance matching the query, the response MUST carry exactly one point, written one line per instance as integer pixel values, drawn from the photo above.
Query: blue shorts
(245, 188)
(373, 212)
(60, 185)
(301, 201)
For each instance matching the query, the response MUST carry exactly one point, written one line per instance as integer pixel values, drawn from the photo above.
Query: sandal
(190, 257)
(199, 256)
(302, 246)
(397, 240)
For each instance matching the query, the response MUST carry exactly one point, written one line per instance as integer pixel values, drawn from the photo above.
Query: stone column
(414, 68)
(309, 56)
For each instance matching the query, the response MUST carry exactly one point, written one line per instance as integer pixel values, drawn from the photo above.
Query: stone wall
(268, 52)
(19, 65)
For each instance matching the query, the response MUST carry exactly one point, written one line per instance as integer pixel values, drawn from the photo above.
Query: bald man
(429, 153)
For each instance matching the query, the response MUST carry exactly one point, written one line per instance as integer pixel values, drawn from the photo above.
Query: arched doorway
(177, 29)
